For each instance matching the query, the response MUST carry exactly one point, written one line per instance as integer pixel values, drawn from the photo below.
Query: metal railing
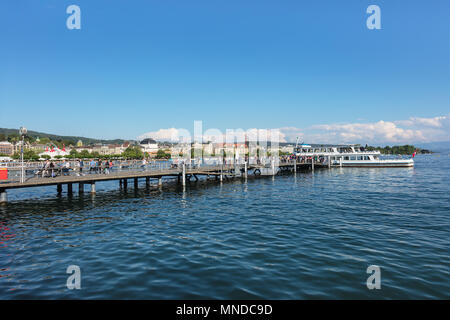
(41, 170)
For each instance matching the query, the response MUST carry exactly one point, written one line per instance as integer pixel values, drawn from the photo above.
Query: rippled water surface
(312, 235)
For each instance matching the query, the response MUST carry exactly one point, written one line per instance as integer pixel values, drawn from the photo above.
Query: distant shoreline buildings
(150, 149)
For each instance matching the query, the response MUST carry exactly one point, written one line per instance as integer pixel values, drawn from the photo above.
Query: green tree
(161, 154)
(84, 154)
(13, 137)
(45, 140)
(28, 155)
(133, 153)
(73, 154)
(94, 154)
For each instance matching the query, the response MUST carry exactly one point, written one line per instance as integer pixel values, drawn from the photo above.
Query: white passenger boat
(349, 156)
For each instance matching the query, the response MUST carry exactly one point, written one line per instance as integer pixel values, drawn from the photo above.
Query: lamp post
(22, 132)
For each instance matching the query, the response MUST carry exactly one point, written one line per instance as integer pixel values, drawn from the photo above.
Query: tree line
(405, 149)
(132, 153)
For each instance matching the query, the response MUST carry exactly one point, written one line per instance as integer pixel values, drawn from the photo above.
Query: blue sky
(138, 66)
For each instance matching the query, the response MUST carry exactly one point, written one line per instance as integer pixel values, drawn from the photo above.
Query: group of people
(53, 169)
(97, 166)
(49, 169)
(301, 159)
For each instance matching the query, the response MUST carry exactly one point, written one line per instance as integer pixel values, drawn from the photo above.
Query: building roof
(148, 141)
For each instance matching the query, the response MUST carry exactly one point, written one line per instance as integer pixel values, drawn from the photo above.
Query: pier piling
(3, 196)
(245, 169)
(183, 172)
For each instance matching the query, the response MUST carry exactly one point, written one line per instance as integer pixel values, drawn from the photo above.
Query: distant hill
(54, 137)
(442, 147)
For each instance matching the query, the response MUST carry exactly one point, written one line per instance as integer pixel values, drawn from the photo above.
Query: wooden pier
(183, 174)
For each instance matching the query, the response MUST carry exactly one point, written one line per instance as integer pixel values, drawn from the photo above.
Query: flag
(414, 154)
(64, 148)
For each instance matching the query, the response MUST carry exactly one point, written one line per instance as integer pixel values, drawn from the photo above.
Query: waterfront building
(37, 147)
(6, 148)
(149, 145)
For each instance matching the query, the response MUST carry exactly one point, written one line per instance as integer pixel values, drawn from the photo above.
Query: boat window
(360, 158)
(353, 158)
(345, 158)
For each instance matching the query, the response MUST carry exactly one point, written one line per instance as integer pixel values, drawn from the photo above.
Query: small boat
(350, 156)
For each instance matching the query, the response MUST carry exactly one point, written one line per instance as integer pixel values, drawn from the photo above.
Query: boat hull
(379, 163)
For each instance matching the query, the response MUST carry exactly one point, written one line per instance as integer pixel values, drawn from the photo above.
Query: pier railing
(39, 170)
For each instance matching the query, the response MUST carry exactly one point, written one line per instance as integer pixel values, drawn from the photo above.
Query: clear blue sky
(137, 66)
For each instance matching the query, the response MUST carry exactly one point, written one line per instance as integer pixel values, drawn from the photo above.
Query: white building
(149, 145)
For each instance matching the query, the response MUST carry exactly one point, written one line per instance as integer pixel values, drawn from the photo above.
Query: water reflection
(309, 235)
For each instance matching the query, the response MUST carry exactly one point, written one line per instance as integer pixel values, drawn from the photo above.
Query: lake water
(312, 235)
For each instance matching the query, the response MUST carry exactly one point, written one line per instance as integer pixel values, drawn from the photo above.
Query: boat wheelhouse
(349, 156)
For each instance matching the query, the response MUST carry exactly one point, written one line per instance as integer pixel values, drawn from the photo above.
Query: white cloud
(171, 134)
(436, 122)
(215, 135)
(402, 131)
(412, 130)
